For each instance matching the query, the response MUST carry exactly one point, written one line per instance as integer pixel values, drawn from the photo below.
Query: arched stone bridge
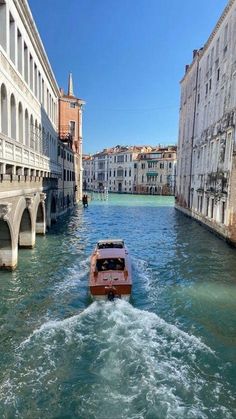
(21, 218)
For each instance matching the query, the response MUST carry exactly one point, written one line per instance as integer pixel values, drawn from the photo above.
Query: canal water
(169, 353)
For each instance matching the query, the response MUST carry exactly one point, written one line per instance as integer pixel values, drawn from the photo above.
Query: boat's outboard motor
(111, 295)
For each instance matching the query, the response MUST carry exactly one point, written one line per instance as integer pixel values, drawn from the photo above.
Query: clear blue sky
(127, 58)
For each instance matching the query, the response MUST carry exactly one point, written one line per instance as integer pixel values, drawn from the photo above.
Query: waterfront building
(67, 181)
(100, 170)
(70, 126)
(206, 173)
(155, 171)
(39, 170)
(121, 168)
(133, 169)
(88, 172)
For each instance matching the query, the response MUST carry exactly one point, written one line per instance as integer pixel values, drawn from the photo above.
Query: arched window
(32, 140)
(44, 141)
(4, 116)
(13, 117)
(26, 128)
(40, 139)
(36, 136)
(20, 122)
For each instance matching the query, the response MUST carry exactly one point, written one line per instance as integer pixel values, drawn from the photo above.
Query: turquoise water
(169, 353)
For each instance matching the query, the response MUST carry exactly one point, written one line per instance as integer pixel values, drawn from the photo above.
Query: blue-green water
(169, 353)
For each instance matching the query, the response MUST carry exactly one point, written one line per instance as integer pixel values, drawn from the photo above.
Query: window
(218, 74)
(72, 104)
(19, 51)
(207, 207)
(26, 70)
(225, 38)
(217, 47)
(31, 72)
(223, 213)
(120, 159)
(210, 84)
(72, 128)
(3, 25)
(12, 39)
(212, 207)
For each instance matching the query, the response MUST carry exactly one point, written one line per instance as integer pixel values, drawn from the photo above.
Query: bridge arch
(25, 223)
(40, 223)
(8, 255)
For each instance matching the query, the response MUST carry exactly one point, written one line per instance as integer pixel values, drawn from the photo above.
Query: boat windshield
(110, 245)
(114, 264)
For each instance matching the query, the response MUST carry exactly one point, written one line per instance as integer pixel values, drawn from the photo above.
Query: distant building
(206, 170)
(155, 172)
(133, 169)
(70, 127)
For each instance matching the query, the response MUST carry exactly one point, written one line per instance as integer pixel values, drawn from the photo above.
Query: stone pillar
(41, 222)
(8, 246)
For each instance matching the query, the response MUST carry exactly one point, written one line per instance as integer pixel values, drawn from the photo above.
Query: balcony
(15, 153)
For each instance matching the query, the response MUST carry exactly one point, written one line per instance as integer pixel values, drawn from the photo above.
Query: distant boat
(110, 271)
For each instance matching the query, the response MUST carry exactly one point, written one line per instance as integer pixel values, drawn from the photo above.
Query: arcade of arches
(21, 218)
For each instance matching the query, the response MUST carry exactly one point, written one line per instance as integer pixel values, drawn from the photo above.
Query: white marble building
(29, 168)
(28, 96)
(206, 148)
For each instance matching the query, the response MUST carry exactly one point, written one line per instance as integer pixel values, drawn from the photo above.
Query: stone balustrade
(15, 154)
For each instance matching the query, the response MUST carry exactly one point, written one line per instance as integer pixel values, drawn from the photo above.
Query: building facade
(35, 165)
(206, 173)
(155, 172)
(141, 170)
(70, 126)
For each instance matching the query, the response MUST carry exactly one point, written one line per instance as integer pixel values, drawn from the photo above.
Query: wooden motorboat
(110, 272)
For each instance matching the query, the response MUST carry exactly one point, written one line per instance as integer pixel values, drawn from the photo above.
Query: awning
(152, 174)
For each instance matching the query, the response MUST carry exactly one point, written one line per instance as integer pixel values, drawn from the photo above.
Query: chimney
(186, 68)
(70, 86)
(195, 51)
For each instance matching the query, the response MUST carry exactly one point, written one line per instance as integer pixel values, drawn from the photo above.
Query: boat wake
(113, 360)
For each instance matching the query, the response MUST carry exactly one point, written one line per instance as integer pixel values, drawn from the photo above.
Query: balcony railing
(15, 153)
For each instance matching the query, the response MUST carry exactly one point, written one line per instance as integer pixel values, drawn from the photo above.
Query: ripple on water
(111, 356)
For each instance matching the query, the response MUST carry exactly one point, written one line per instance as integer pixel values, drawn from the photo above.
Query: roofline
(26, 14)
(202, 50)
